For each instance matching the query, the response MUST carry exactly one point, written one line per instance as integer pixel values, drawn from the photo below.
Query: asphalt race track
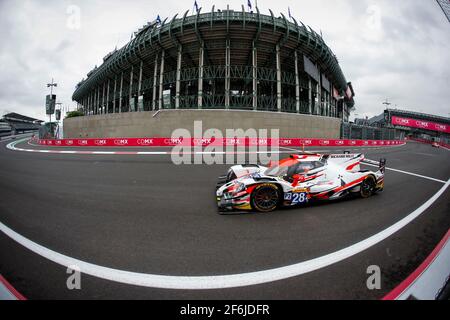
(143, 214)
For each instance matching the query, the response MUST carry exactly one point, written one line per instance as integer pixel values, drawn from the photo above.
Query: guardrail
(7, 138)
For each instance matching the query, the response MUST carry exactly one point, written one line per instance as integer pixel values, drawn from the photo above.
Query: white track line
(103, 152)
(371, 163)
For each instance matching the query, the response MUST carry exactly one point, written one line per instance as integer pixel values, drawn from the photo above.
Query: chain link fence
(357, 132)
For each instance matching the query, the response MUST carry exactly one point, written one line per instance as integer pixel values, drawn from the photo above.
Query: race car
(435, 145)
(295, 181)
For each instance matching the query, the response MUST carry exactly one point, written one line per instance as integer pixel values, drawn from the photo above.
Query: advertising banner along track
(204, 142)
(420, 124)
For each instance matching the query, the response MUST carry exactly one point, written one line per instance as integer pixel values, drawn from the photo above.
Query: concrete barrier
(163, 123)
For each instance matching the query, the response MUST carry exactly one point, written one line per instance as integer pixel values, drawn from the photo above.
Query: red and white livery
(297, 180)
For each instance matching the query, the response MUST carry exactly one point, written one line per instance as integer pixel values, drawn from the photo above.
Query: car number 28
(297, 198)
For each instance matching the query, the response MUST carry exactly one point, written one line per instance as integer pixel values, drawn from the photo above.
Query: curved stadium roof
(242, 28)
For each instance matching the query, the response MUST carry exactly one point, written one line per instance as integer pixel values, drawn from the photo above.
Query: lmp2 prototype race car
(297, 180)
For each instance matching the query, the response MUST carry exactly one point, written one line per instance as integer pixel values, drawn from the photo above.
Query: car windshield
(277, 171)
(297, 168)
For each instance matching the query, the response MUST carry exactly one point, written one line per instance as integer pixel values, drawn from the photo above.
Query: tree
(74, 114)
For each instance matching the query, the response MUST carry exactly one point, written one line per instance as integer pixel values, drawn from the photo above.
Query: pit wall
(163, 123)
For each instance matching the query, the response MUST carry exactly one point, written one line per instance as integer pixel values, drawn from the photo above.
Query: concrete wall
(145, 124)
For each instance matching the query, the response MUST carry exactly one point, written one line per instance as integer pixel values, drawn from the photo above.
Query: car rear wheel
(265, 198)
(368, 187)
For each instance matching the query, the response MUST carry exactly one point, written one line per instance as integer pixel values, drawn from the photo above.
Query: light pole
(387, 103)
(51, 85)
(58, 118)
(342, 99)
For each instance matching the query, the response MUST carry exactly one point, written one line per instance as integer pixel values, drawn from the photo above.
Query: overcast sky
(392, 49)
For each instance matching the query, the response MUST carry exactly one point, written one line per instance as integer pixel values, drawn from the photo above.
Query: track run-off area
(140, 227)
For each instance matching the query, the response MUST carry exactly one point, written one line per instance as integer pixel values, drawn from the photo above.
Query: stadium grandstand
(14, 123)
(228, 60)
(5, 128)
(445, 6)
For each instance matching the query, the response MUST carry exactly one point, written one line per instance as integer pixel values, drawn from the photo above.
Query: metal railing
(356, 132)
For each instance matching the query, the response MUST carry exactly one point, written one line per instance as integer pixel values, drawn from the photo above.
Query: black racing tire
(265, 198)
(368, 187)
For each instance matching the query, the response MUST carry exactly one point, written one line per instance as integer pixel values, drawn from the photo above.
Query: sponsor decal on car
(299, 190)
(299, 198)
(255, 176)
(342, 156)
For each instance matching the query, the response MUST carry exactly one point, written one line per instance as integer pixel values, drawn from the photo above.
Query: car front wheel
(265, 198)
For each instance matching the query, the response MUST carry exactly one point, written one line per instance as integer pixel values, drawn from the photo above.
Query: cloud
(388, 49)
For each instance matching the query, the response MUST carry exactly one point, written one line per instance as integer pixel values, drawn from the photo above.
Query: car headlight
(240, 188)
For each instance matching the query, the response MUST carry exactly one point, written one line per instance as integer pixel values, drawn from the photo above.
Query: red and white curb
(8, 292)
(429, 278)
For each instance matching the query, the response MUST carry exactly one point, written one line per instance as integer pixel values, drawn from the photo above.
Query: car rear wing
(343, 158)
(381, 164)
